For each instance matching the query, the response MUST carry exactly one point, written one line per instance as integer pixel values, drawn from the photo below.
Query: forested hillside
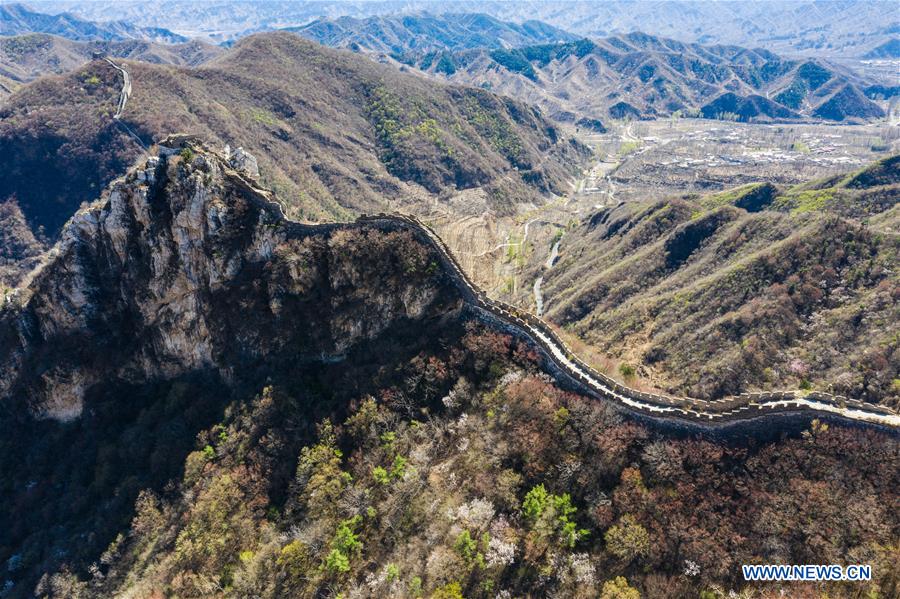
(335, 134)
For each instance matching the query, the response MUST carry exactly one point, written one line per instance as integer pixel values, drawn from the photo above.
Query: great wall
(682, 412)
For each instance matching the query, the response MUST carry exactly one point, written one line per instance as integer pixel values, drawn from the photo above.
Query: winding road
(567, 366)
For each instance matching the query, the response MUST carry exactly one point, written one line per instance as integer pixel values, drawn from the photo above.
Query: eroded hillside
(635, 75)
(758, 287)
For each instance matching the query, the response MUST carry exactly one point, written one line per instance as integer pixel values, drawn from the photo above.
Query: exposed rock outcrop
(184, 265)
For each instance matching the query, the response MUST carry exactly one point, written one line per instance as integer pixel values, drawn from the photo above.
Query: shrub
(294, 559)
(467, 548)
(618, 588)
(337, 562)
(550, 515)
(344, 544)
(535, 503)
(209, 453)
(451, 590)
(627, 540)
(627, 370)
(380, 475)
(398, 467)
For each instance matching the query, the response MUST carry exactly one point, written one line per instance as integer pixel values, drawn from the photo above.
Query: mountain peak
(154, 270)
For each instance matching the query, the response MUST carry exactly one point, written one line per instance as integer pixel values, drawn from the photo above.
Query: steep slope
(24, 58)
(755, 288)
(335, 134)
(749, 108)
(254, 408)
(18, 19)
(153, 287)
(20, 250)
(647, 76)
(409, 36)
(848, 101)
(132, 268)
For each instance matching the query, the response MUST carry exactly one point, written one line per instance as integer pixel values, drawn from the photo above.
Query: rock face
(185, 266)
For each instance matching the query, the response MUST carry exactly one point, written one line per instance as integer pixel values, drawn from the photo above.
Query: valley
(638, 160)
(515, 253)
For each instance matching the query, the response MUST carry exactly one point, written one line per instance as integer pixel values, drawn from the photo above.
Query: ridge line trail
(605, 387)
(602, 386)
(126, 89)
(124, 95)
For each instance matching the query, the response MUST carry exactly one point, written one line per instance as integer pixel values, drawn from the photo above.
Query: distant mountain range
(586, 82)
(24, 58)
(17, 19)
(849, 28)
(643, 76)
(424, 33)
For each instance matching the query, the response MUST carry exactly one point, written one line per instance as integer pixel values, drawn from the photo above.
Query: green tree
(451, 590)
(319, 475)
(380, 475)
(535, 503)
(344, 544)
(467, 548)
(551, 516)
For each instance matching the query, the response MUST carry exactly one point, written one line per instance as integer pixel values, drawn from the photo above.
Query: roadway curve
(686, 411)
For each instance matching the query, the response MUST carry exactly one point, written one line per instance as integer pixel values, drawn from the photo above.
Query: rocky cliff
(184, 265)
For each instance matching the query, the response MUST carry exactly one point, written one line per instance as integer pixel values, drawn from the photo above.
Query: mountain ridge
(756, 287)
(652, 77)
(423, 33)
(307, 113)
(24, 58)
(17, 19)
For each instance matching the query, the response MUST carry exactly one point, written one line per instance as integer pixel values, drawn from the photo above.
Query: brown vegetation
(335, 134)
(713, 300)
(466, 474)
